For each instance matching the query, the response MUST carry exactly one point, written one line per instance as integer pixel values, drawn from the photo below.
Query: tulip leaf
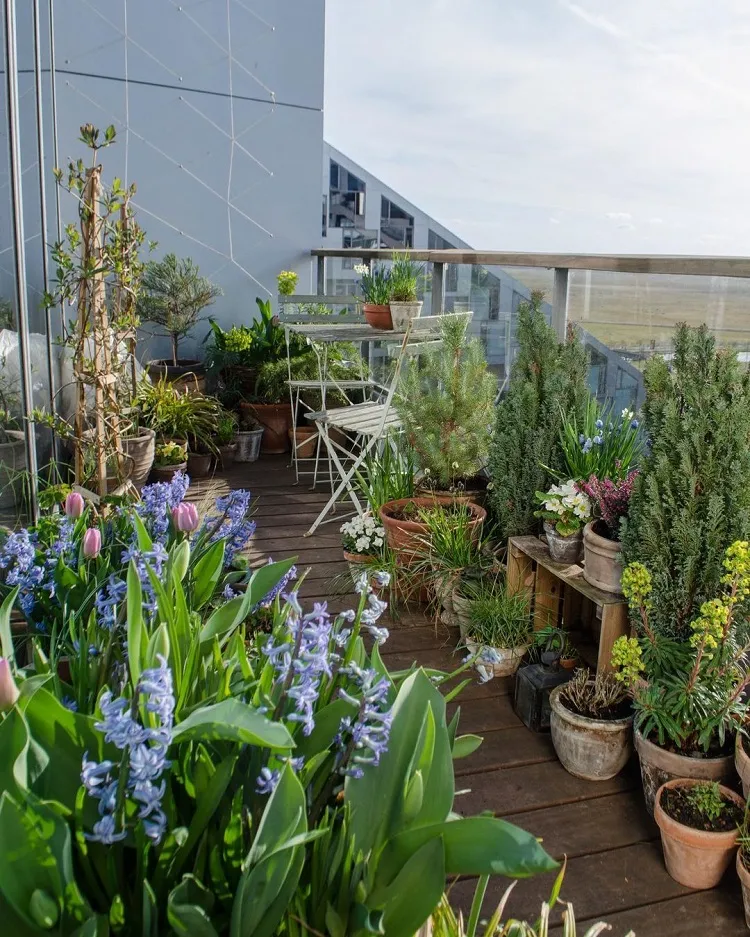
(6, 634)
(414, 893)
(206, 573)
(466, 745)
(232, 721)
(189, 907)
(136, 635)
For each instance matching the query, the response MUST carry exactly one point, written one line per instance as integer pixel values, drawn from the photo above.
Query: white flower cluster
(627, 414)
(567, 499)
(361, 269)
(363, 534)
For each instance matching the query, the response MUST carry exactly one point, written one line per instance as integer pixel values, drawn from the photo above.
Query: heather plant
(445, 403)
(610, 500)
(692, 497)
(547, 383)
(689, 695)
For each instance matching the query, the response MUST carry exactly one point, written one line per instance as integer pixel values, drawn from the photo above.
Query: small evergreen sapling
(548, 382)
(446, 405)
(692, 497)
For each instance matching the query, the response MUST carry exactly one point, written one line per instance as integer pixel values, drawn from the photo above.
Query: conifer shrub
(692, 497)
(547, 382)
(446, 407)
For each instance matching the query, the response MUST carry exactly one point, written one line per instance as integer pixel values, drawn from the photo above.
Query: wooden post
(520, 569)
(614, 625)
(560, 302)
(546, 599)
(438, 289)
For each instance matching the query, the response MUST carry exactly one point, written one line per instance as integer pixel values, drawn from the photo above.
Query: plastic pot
(592, 749)
(659, 766)
(602, 560)
(695, 858)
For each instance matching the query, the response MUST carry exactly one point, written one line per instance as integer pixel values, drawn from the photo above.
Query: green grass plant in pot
(688, 696)
(500, 627)
(406, 275)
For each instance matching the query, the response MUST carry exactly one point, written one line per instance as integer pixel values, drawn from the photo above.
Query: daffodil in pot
(375, 287)
(688, 696)
(565, 510)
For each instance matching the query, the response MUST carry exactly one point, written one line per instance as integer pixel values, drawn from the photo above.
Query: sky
(552, 125)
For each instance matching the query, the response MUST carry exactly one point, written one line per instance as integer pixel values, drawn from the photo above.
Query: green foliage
(7, 315)
(499, 617)
(286, 281)
(173, 296)
(226, 428)
(387, 475)
(689, 695)
(170, 453)
(595, 697)
(405, 277)
(547, 384)
(692, 497)
(707, 799)
(603, 443)
(374, 283)
(445, 402)
(177, 414)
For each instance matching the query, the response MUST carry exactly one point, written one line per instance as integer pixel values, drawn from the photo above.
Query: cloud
(487, 118)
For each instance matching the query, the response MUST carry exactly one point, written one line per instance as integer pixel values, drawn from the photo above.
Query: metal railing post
(321, 276)
(438, 289)
(560, 302)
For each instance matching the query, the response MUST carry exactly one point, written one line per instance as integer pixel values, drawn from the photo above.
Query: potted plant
(602, 551)
(303, 438)
(699, 824)
(406, 529)
(405, 275)
(688, 697)
(286, 281)
(173, 296)
(592, 725)
(248, 437)
(547, 383)
(743, 863)
(363, 542)
(446, 404)
(224, 440)
(375, 286)
(500, 627)
(170, 458)
(553, 646)
(565, 510)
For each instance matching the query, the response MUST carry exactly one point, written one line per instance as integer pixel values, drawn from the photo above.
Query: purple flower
(278, 589)
(267, 781)
(365, 736)
(229, 521)
(158, 500)
(111, 595)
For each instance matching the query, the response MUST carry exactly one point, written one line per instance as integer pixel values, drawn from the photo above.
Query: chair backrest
(296, 317)
(432, 325)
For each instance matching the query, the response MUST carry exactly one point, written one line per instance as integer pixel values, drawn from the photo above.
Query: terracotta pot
(568, 663)
(248, 444)
(227, 454)
(602, 560)
(199, 464)
(165, 473)
(276, 418)
(510, 657)
(592, 749)
(742, 764)
(659, 766)
(403, 313)
(139, 456)
(189, 374)
(304, 440)
(12, 461)
(695, 858)
(377, 316)
(563, 549)
(402, 536)
(744, 876)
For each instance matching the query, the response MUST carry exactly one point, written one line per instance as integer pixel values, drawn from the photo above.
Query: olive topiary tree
(547, 382)
(692, 497)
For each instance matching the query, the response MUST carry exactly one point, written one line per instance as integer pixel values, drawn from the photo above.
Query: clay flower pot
(165, 473)
(199, 464)
(563, 549)
(602, 560)
(592, 749)
(276, 418)
(742, 763)
(695, 858)
(360, 563)
(304, 440)
(377, 316)
(659, 766)
(743, 874)
(403, 535)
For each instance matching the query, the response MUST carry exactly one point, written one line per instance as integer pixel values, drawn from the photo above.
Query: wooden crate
(561, 597)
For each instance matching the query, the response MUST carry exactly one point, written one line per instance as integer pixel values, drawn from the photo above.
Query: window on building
(396, 226)
(346, 202)
(354, 237)
(437, 243)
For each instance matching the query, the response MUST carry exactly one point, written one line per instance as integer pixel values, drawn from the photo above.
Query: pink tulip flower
(92, 543)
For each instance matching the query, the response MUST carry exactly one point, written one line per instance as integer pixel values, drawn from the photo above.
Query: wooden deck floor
(615, 868)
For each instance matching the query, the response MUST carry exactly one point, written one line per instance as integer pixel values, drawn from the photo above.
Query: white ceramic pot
(509, 658)
(403, 313)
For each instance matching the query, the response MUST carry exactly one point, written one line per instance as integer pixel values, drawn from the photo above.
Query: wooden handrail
(674, 265)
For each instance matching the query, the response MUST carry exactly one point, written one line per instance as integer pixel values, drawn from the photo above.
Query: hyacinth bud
(74, 505)
(43, 909)
(8, 690)
(92, 543)
(185, 517)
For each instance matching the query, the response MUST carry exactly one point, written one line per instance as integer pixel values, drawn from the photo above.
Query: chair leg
(344, 484)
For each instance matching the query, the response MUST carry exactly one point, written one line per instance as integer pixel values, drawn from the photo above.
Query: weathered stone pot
(227, 454)
(659, 766)
(403, 313)
(139, 455)
(742, 764)
(248, 444)
(378, 316)
(743, 874)
(695, 858)
(509, 657)
(592, 749)
(602, 559)
(563, 549)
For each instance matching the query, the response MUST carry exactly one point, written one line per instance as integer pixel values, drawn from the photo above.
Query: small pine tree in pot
(445, 404)
(547, 382)
(692, 498)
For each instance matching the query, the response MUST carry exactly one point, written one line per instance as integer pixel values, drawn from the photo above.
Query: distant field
(637, 312)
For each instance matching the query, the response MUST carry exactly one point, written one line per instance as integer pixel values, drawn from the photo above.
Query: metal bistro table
(369, 422)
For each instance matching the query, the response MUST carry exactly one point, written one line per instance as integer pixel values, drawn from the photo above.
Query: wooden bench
(561, 597)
